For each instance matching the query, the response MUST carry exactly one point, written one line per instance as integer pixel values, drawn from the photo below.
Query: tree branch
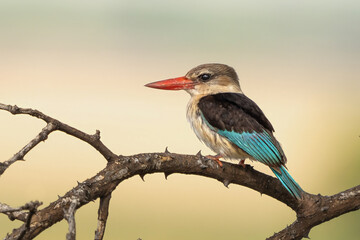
(93, 140)
(19, 213)
(102, 216)
(127, 166)
(69, 215)
(319, 209)
(42, 136)
(311, 209)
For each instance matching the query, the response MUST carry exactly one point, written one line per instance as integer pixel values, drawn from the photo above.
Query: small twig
(69, 215)
(42, 136)
(103, 213)
(93, 140)
(20, 212)
(30, 206)
(13, 213)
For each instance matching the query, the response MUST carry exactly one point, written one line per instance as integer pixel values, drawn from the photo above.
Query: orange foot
(242, 163)
(215, 158)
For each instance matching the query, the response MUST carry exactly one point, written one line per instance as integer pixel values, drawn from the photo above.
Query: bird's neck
(205, 90)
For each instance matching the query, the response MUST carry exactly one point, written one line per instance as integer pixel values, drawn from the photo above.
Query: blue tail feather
(288, 182)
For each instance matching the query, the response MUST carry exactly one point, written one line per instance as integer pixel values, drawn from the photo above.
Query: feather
(288, 182)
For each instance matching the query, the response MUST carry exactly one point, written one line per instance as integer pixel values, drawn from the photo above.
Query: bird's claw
(242, 163)
(216, 159)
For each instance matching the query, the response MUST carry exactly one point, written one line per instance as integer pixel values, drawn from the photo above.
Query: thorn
(166, 150)
(199, 154)
(226, 183)
(97, 135)
(59, 196)
(78, 182)
(166, 175)
(142, 176)
(14, 109)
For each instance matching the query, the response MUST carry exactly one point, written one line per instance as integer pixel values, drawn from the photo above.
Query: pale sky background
(85, 63)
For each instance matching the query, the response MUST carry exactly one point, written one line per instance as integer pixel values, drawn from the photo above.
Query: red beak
(180, 83)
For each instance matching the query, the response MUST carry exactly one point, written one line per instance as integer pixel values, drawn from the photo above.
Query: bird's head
(205, 79)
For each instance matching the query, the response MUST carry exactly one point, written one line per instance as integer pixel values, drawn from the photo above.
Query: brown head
(203, 80)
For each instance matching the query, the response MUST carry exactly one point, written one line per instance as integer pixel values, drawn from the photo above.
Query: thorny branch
(312, 210)
(54, 124)
(42, 136)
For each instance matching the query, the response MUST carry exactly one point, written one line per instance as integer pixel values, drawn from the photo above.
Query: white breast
(214, 141)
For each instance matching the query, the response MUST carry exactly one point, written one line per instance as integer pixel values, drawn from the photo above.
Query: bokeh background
(85, 63)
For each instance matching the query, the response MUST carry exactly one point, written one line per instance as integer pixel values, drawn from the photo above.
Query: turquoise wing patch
(259, 145)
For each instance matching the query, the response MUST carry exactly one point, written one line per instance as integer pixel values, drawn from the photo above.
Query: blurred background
(85, 63)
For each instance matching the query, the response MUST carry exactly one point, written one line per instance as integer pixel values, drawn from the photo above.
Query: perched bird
(228, 122)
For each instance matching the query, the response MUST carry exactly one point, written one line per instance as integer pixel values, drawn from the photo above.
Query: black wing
(234, 111)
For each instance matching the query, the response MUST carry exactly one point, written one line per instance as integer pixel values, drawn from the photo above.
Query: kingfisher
(228, 122)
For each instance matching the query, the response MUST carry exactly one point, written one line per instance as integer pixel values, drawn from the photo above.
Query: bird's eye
(205, 76)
